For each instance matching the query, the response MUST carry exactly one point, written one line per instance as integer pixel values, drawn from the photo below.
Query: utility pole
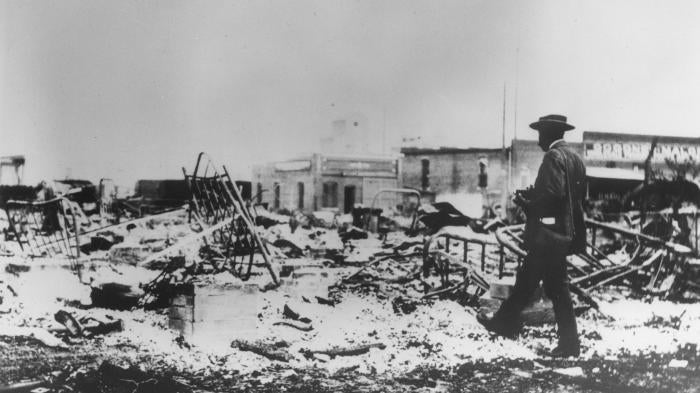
(503, 120)
(515, 99)
(504, 160)
(384, 130)
(515, 127)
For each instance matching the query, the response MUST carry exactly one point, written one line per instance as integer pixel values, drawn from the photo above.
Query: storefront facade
(615, 162)
(321, 182)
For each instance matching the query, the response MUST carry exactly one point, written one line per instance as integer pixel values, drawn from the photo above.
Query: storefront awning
(614, 173)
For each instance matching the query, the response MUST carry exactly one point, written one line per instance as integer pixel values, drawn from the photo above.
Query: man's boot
(567, 348)
(495, 326)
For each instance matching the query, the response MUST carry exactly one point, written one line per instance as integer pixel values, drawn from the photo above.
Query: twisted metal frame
(653, 261)
(216, 199)
(46, 228)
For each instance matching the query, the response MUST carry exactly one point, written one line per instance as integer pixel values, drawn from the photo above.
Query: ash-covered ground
(353, 322)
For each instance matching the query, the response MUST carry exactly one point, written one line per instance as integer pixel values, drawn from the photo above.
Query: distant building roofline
(13, 160)
(534, 142)
(308, 158)
(448, 150)
(369, 157)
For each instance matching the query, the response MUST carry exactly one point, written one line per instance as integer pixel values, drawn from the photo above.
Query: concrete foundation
(216, 314)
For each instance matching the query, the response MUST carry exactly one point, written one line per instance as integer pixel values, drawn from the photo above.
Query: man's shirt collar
(554, 143)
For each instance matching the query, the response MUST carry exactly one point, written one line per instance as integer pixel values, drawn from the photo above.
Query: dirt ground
(78, 369)
(89, 364)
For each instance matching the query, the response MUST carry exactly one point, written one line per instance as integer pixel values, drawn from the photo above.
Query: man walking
(554, 229)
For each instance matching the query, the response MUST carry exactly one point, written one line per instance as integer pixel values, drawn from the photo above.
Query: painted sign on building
(349, 166)
(635, 148)
(300, 165)
(638, 151)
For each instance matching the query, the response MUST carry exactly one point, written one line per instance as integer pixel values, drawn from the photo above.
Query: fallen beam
(677, 248)
(303, 328)
(269, 351)
(348, 351)
(646, 263)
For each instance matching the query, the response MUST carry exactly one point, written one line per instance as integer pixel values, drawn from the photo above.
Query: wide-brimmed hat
(552, 122)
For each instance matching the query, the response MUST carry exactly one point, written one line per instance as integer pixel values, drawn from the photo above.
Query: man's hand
(521, 201)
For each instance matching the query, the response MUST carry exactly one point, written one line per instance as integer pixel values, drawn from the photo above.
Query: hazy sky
(134, 89)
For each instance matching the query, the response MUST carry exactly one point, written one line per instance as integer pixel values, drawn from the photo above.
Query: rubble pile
(221, 289)
(650, 266)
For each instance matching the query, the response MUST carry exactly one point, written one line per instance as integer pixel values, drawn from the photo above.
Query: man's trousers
(552, 272)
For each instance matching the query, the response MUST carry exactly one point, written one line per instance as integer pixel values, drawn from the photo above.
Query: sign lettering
(638, 151)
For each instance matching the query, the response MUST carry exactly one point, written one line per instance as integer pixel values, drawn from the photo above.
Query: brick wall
(452, 170)
(267, 176)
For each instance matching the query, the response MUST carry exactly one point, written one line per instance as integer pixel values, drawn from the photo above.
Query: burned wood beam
(602, 254)
(677, 248)
(347, 351)
(445, 290)
(633, 269)
(303, 328)
(94, 330)
(596, 273)
(270, 351)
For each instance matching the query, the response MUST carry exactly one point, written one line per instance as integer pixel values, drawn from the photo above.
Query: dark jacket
(551, 204)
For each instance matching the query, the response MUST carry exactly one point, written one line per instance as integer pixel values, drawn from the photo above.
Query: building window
(330, 194)
(424, 174)
(483, 179)
(300, 195)
(276, 190)
(258, 193)
(349, 200)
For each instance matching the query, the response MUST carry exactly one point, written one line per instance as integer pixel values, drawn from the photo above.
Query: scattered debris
(570, 371)
(347, 351)
(403, 306)
(155, 281)
(111, 377)
(66, 319)
(324, 301)
(674, 322)
(276, 351)
(303, 328)
(289, 313)
(29, 386)
(39, 334)
(15, 269)
(678, 363)
(115, 296)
